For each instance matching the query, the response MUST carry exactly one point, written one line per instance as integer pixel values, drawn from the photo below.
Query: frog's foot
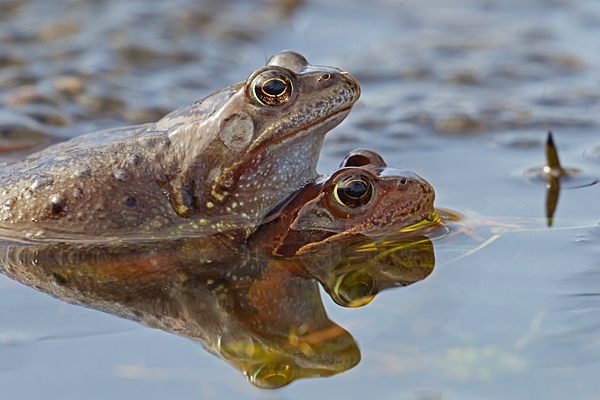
(224, 184)
(180, 195)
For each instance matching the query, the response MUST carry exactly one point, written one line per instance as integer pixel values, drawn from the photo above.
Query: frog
(364, 197)
(218, 164)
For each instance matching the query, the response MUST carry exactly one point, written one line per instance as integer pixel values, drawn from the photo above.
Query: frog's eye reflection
(354, 289)
(353, 191)
(272, 88)
(272, 375)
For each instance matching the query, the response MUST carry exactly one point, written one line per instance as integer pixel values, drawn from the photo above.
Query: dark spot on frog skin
(58, 205)
(130, 201)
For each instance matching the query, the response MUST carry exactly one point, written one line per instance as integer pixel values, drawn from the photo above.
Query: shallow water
(462, 94)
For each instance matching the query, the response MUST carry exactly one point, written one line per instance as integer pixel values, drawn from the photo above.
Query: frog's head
(289, 98)
(363, 197)
(271, 131)
(366, 196)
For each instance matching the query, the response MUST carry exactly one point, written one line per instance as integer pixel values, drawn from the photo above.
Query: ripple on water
(19, 131)
(12, 77)
(44, 114)
(573, 178)
(460, 124)
(447, 73)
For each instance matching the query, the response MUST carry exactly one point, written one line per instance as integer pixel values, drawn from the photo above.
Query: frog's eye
(353, 191)
(272, 88)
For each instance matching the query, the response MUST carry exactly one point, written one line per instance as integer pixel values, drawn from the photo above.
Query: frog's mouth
(331, 120)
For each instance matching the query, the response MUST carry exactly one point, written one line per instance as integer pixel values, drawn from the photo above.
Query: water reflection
(255, 302)
(261, 314)
(556, 176)
(354, 274)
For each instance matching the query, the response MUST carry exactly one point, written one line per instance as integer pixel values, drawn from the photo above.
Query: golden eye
(272, 376)
(355, 289)
(353, 191)
(272, 88)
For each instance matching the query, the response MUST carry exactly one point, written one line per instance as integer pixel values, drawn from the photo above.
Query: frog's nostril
(324, 77)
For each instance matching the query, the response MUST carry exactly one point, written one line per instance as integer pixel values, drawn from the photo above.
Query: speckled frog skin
(220, 163)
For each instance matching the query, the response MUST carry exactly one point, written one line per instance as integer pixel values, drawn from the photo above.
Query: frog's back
(76, 187)
(109, 183)
(91, 141)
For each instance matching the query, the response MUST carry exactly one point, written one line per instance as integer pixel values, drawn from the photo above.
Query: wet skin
(219, 164)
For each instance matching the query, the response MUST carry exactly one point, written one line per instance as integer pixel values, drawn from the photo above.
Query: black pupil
(355, 189)
(274, 87)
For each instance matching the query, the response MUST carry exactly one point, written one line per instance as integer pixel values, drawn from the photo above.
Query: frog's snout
(353, 83)
(408, 179)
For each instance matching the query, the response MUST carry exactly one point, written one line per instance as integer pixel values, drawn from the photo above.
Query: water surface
(463, 94)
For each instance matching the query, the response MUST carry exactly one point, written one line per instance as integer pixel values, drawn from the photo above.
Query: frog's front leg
(179, 191)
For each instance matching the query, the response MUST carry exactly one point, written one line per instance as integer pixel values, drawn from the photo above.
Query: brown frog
(219, 164)
(364, 197)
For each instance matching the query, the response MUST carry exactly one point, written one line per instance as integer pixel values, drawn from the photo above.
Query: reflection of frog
(227, 304)
(245, 300)
(353, 273)
(221, 163)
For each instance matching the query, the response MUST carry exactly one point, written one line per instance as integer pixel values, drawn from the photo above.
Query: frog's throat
(223, 186)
